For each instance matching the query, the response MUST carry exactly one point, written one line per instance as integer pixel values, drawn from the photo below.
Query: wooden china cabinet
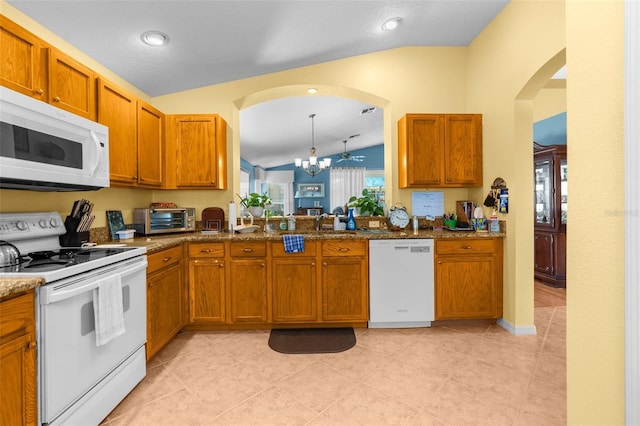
(550, 192)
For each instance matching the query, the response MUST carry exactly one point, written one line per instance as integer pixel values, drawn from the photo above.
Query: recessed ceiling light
(312, 90)
(391, 24)
(154, 38)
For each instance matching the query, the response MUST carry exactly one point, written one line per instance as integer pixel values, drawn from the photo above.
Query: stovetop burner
(51, 260)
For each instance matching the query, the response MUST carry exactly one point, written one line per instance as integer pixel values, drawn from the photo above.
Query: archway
(523, 133)
(300, 90)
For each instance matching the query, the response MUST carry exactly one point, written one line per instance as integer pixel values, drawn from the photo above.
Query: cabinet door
(164, 307)
(294, 289)
(150, 145)
(117, 110)
(20, 60)
(18, 403)
(71, 85)
(199, 160)
(248, 282)
(463, 150)
(544, 259)
(420, 150)
(465, 287)
(345, 285)
(207, 291)
(18, 381)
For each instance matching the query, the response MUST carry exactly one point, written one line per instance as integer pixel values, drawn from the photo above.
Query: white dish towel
(107, 309)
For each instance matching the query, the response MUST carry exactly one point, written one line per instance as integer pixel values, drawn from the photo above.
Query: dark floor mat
(312, 340)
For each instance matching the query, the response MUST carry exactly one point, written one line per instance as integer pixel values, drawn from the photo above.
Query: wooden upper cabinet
(196, 152)
(150, 145)
(117, 110)
(22, 60)
(71, 85)
(440, 150)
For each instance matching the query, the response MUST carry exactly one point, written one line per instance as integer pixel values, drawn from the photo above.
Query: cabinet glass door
(563, 192)
(543, 192)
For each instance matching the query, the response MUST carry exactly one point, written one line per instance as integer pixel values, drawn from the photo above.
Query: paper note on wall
(427, 204)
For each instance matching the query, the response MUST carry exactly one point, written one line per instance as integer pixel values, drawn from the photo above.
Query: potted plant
(255, 203)
(367, 204)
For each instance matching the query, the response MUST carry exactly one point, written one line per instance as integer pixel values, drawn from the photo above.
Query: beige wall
(499, 75)
(549, 102)
(595, 260)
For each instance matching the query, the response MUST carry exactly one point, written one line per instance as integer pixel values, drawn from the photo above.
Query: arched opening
(327, 92)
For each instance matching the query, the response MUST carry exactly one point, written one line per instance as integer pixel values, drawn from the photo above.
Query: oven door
(71, 366)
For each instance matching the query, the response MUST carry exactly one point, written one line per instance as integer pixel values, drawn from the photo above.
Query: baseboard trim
(519, 330)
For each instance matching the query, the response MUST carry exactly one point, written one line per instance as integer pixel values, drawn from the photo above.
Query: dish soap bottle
(351, 222)
(283, 224)
(292, 223)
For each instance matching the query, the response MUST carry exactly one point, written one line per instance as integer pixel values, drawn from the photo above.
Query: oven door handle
(67, 289)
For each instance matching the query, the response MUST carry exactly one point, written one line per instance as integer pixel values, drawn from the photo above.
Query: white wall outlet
(374, 224)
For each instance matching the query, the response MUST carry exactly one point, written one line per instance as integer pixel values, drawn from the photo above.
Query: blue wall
(551, 131)
(374, 160)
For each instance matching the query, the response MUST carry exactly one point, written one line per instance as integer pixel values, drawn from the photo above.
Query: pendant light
(312, 166)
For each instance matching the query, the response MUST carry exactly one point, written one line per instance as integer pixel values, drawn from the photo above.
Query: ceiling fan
(346, 156)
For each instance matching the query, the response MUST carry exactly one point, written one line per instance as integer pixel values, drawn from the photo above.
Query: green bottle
(283, 224)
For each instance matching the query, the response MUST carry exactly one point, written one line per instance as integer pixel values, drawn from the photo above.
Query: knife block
(73, 238)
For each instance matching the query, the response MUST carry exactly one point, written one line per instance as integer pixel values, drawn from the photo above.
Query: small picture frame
(115, 222)
(311, 190)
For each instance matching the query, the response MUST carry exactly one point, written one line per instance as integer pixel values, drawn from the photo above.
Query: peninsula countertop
(13, 285)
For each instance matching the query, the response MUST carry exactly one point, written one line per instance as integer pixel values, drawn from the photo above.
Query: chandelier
(312, 166)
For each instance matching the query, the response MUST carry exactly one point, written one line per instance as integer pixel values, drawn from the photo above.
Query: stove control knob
(42, 223)
(22, 225)
(53, 222)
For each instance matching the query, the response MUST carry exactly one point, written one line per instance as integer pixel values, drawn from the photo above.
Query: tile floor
(472, 373)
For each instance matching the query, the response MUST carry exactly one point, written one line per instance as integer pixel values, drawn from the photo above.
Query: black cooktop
(51, 260)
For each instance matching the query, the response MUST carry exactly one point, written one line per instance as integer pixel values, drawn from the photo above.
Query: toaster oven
(164, 220)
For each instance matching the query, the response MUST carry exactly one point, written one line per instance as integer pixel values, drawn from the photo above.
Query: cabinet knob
(448, 179)
(31, 345)
(213, 182)
(343, 249)
(56, 99)
(205, 250)
(247, 250)
(221, 265)
(38, 91)
(166, 259)
(467, 247)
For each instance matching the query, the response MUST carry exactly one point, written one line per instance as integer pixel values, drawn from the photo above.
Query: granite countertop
(11, 286)
(155, 243)
(14, 285)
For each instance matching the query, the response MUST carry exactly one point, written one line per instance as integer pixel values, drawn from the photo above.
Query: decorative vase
(256, 211)
(351, 222)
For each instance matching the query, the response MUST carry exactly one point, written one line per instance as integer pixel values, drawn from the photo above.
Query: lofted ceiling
(216, 41)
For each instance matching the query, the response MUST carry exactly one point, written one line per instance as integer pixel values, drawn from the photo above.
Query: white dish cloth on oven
(107, 309)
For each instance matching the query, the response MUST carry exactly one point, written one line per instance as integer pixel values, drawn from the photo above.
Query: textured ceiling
(215, 41)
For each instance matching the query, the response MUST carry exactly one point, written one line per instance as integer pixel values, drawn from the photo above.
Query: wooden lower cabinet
(166, 298)
(345, 280)
(248, 282)
(294, 284)
(207, 289)
(468, 278)
(18, 389)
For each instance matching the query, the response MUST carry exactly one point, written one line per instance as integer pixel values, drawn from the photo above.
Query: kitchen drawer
(344, 248)
(277, 250)
(248, 249)
(206, 250)
(465, 246)
(17, 314)
(163, 259)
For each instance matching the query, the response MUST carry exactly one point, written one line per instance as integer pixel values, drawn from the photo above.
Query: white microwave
(45, 148)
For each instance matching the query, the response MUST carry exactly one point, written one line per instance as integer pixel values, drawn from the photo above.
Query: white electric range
(80, 380)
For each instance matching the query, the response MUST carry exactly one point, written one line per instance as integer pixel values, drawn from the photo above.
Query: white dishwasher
(401, 292)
